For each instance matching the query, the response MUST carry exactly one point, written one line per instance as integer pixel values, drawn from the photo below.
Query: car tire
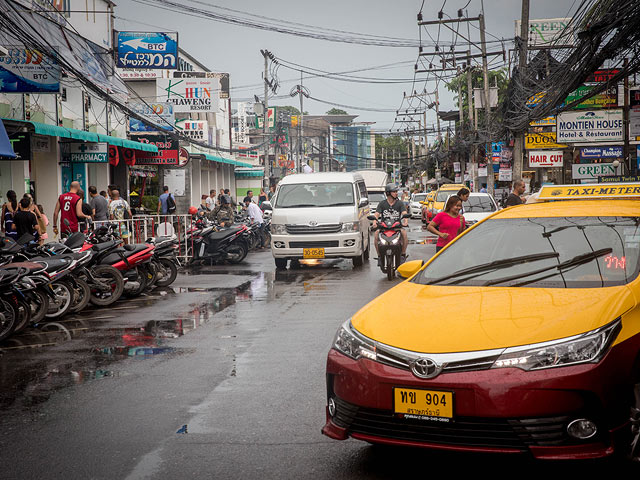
(281, 263)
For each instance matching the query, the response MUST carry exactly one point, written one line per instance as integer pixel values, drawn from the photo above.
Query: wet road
(220, 376)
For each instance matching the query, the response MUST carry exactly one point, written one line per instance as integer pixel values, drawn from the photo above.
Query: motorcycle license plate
(313, 253)
(423, 404)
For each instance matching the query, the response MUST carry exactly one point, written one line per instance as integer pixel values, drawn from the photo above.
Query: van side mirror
(364, 202)
(266, 205)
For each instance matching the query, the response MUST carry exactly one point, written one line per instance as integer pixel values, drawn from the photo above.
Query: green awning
(243, 164)
(250, 172)
(215, 158)
(56, 131)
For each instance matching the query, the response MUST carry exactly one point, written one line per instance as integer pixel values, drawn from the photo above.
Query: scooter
(389, 238)
(225, 245)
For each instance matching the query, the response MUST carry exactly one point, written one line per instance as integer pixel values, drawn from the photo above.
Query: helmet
(225, 200)
(390, 187)
(193, 211)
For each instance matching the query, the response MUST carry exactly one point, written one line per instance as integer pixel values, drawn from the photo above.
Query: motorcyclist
(224, 213)
(390, 211)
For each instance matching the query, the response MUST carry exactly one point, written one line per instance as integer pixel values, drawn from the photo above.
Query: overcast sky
(236, 49)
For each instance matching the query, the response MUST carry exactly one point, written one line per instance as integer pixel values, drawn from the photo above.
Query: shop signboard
(188, 94)
(590, 126)
(153, 50)
(620, 179)
(161, 114)
(634, 113)
(548, 31)
(505, 175)
(591, 171)
(223, 78)
(24, 70)
(194, 129)
(482, 170)
(544, 122)
(168, 150)
(602, 76)
(21, 145)
(139, 73)
(271, 119)
(85, 152)
(545, 158)
(606, 99)
(541, 140)
(592, 153)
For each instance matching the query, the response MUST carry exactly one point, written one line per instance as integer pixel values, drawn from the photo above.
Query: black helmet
(390, 187)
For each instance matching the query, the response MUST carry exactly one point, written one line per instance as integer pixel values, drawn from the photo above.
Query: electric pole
(487, 106)
(267, 161)
(518, 146)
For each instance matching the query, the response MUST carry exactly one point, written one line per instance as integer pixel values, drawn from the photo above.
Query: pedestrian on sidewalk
(262, 197)
(515, 197)
(24, 220)
(8, 211)
(450, 222)
(99, 205)
(211, 200)
(166, 202)
(69, 207)
(43, 224)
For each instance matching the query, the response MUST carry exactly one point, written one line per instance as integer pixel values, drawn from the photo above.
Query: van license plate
(313, 253)
(423, 404)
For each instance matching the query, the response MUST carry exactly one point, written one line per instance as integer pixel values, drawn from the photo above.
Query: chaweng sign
(188, 94)
(590, 126)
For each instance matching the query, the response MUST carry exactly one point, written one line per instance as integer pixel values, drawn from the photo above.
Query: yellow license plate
(425, 404)
(313, 252)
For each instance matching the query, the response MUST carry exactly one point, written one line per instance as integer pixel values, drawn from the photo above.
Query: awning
(6, 151)
(63, 132)
(215, 158)
(250, 172)
(243, 164)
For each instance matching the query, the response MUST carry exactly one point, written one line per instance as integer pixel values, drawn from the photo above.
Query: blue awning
(6, 151)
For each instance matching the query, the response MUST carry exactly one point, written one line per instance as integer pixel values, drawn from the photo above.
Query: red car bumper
(500, 410)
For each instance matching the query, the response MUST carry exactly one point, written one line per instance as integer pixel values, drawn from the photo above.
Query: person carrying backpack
(166, 203)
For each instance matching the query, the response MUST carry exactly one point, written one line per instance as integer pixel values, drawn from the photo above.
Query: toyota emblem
(425, 368)
(313, 223)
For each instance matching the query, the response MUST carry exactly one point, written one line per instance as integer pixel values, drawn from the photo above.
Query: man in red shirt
(69, 205)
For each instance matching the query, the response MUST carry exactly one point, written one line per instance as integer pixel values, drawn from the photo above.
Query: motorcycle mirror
(406, 215)
(409, 269)
(371, 217)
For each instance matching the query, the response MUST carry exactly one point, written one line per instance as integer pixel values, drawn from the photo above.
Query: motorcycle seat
(75, 240)
(53, 263)
(135, 248)
(221, 235)
(101, 247)
(32, 267)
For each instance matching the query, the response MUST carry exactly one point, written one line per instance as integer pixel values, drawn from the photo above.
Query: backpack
(171, 204)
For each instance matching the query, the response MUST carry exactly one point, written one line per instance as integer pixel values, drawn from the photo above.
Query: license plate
(313, 252)
(423, 404)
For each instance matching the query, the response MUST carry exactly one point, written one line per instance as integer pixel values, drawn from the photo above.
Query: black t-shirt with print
(391, 213)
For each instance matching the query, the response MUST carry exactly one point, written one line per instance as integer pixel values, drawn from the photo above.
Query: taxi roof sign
(589, 191)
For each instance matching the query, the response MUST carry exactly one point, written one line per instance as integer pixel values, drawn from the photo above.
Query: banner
(25, 70)
(194, 129)
(606, 99)
(153, 50)
(594, 170)
(114, 158)
(160, 114)
(167, 150)
(590, 126)
(541, 140)
(88, 152)
(601, 152)
(223, 78)
(188, 94)
(634, 113)
(544, 122)
(545, 158)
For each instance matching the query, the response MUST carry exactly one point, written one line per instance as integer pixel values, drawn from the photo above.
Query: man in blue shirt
(162, 201)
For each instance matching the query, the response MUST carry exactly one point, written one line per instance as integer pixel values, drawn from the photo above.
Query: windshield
(563, 252)
(419, 197)
(477, 204)
(444, 194)
(315, 195)
(376, 196)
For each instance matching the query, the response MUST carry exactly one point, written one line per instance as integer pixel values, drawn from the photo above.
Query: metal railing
(141, 227)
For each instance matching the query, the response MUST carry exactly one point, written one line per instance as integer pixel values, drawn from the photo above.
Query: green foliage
(393, 145)
(291, 110)
(337, 111)
(150, 202)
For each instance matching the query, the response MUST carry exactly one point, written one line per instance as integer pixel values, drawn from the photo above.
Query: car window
(376, 196)
(419, 197)
(561, 240)
(315, 195)
(478, 204)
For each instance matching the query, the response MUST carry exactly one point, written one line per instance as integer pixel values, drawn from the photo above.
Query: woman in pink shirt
(449, 222)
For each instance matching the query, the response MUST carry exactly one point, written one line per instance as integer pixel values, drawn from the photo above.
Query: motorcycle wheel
(236, 253)
(167, 272)
(39, 302)
(82, 295)
(63, 300)
(108, 287)
(24, 316)
(391, 267)
(152, 273)
(141, 281)
(8, 317)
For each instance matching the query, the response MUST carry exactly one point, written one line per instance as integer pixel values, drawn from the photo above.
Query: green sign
(605, 99)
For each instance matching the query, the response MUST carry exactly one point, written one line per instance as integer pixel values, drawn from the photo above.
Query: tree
(337, 111)
(393, 145)
(289, 109)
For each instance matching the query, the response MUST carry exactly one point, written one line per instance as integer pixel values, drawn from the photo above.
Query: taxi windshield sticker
(566, 192)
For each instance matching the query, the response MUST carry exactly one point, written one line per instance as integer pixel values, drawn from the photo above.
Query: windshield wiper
(495, 265)
(572, 262)
(297, 205)
(337, 204)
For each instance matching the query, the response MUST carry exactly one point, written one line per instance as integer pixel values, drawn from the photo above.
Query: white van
(320, 215)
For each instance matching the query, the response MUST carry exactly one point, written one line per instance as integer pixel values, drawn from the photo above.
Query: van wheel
(281, 263)
(358, 261)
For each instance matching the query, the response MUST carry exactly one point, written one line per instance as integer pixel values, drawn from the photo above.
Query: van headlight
(278, 228)
(350, 227)
(352, 344)
(588, 347)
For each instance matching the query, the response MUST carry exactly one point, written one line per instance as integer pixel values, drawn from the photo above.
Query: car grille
(464, 431)
(308, 229)
(315, 244)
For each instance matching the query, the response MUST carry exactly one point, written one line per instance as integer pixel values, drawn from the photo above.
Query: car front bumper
(338, 245)
(497, 410)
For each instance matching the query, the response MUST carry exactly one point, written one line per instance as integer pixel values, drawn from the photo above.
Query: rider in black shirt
(391, 210)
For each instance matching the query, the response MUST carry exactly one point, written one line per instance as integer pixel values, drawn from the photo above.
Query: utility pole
(267, 162)
(625, 123)
(487, 106)
(300, 123)
(518, 147)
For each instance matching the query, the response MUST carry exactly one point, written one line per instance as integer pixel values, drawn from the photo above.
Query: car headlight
(350, 227)
(352, 344)
(278, 228)
(588, 347)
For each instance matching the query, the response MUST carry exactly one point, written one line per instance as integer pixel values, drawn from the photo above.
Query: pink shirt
(448, 224)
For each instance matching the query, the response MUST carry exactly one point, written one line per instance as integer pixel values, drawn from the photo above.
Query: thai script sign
(187, 94)
(147, 50)
(590, 126)
(593, 170)
(24, 70)
(545, 158)
(160, 114)
(601, 152)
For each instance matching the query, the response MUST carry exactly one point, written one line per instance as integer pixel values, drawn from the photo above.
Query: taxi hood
(447, 319)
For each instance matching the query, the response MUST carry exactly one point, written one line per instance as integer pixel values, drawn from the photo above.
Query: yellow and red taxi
(435, 201)
(522, 335)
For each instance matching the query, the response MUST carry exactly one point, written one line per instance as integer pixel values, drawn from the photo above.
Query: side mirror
(266, 205)
(406, 215)
(364, 202)
(409, 269)
(371, 217)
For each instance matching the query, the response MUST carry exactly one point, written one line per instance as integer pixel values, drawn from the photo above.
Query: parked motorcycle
(209, 244)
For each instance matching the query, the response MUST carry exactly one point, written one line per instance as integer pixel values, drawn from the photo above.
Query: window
(315, 195)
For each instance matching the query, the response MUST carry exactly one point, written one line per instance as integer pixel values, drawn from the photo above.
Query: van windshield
(315, 195)
(376, 196)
